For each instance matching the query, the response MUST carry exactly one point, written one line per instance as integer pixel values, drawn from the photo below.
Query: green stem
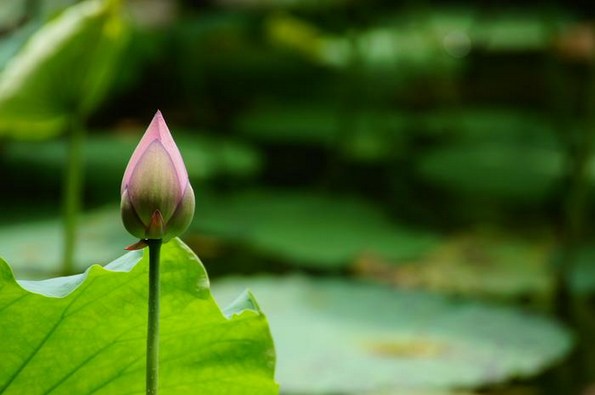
(72, 192)
(153, 326)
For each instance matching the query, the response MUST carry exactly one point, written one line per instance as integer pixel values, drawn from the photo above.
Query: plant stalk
(72, 194)
(153, 323)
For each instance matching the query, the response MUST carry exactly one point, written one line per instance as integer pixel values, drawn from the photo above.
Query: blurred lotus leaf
(34, 248)
(525, 174)
(372, 135)
(340, 336)
(473, 264)
(514, 31)
(64, 68)
(514, 154)
(308, 229)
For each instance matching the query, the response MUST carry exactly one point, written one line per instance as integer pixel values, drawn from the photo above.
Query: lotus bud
(157, 199)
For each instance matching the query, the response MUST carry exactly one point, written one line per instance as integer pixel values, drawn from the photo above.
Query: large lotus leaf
(308, 229)
(338, 336)
(85, 334)
(64, 68)
(474, 264)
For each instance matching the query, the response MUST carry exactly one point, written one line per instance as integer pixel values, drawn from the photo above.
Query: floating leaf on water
(339, 336)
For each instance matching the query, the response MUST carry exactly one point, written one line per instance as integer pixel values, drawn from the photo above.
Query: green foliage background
(441, 153)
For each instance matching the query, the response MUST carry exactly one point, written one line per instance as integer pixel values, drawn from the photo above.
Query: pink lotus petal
(157, 130)
(154, 184)
(157, 199)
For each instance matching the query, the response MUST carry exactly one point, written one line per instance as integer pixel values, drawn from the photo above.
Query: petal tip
(158, 117)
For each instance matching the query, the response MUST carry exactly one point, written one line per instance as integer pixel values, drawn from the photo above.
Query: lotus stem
(153, 323)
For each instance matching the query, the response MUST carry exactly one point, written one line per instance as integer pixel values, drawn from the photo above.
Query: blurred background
(407, 187)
